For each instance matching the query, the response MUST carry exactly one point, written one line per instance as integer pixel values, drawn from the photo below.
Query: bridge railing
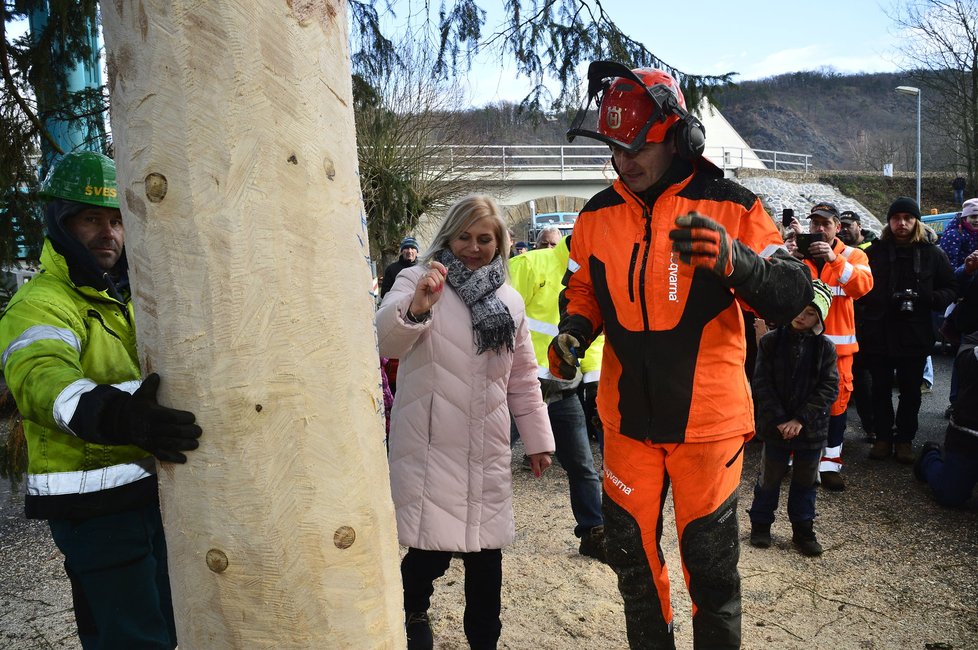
(784, 160)
(591, 157)
(506, 158)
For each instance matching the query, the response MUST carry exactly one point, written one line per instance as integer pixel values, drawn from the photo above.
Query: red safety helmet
(634, 106)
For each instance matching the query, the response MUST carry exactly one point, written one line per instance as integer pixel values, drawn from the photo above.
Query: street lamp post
(913, 90)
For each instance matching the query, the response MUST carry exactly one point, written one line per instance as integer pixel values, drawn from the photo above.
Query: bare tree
(941, 46)
(408, 132)
(873, 153)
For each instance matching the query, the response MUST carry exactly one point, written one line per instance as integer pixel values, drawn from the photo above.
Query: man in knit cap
(407, 258)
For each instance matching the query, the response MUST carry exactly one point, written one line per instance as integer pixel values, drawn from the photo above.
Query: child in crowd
(795, 382)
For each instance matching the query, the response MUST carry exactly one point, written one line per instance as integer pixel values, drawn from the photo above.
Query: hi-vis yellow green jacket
(538, 275)
(58, 342)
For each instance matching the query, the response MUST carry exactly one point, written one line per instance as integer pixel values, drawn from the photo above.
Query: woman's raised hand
(429, 289)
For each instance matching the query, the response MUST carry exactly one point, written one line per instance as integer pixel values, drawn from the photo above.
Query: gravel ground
(898, 570)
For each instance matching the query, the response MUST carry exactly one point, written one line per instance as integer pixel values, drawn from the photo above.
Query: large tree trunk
(234, 141)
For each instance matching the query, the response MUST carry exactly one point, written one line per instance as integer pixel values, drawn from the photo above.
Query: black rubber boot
(760, 535)
(803, 537)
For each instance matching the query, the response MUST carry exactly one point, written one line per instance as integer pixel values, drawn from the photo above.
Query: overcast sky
(754, 38)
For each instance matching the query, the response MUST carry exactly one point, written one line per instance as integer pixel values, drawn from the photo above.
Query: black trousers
(483, 588)
(909, 375)
(862, 392)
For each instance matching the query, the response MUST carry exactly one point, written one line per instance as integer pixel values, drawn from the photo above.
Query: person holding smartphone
(845, 269)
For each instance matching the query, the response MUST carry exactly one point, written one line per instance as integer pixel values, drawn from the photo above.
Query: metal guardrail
(784, 160)
(523, 157)
(589, 157)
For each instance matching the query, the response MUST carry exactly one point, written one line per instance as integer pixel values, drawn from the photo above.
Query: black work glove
(701, 241)
(139, 420)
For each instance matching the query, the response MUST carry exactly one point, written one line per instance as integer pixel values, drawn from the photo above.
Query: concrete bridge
(521, 173)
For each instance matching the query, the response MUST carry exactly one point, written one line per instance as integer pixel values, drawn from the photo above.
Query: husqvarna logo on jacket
(673, 279)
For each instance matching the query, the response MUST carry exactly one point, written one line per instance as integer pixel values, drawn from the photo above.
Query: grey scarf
(491, 321)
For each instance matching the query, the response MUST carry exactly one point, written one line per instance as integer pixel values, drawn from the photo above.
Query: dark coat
(795, 376)
(960, 434)
(390, 274)
(884, 328)
(965, 315)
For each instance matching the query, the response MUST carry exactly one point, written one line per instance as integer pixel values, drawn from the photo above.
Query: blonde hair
(462, 214)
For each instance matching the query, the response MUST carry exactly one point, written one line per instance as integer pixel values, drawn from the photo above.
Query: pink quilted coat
(449, 437)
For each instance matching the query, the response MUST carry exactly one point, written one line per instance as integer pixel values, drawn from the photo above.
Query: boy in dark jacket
(795, 382)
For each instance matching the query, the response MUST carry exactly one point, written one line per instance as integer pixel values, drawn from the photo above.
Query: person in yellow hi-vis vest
(537, 276)
(92, 423)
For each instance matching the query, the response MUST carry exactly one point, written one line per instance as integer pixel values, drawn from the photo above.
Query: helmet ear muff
(690, 137)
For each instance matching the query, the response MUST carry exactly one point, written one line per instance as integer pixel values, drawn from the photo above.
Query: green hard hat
(85, 177)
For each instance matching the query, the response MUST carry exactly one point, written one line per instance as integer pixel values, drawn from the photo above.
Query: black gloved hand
(701, 241)
(139, 420)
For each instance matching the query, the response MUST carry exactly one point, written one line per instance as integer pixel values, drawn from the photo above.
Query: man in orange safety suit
(658, 262)
(845, 269)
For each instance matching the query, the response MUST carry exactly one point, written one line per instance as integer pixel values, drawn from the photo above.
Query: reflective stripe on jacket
(850, 278)
(58, 342)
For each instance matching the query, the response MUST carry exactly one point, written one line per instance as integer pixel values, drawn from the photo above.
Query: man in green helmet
(68, 346)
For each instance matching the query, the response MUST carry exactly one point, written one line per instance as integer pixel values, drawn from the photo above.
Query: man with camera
(912, 278)
(845, 270)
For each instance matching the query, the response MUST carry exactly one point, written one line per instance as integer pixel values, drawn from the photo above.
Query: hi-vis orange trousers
(704, 477)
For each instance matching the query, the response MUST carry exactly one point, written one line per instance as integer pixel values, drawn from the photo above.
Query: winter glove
(701, 241)
(139, 420)
(563, 354)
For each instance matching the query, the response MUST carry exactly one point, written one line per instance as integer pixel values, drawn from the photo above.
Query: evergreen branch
(9, 80)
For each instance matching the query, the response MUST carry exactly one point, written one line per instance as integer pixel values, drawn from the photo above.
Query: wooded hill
(855, 122)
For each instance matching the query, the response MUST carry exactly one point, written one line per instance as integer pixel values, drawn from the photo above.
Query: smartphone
(804, 240)
(787, 215)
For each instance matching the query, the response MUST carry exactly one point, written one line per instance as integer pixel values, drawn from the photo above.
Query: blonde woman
(466, 363)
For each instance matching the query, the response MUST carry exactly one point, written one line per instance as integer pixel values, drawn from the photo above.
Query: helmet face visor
(627, 108)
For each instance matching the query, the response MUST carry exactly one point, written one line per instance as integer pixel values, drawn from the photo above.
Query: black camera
(905, 299)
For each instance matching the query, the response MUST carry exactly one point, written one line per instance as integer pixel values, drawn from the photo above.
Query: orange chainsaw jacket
(673, 367)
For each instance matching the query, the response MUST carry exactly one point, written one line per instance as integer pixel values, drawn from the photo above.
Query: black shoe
(948, 411)
(803, 537)
(760, 535)
(918, 465)
(592, 544)
(418, 631)
(832, 481)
